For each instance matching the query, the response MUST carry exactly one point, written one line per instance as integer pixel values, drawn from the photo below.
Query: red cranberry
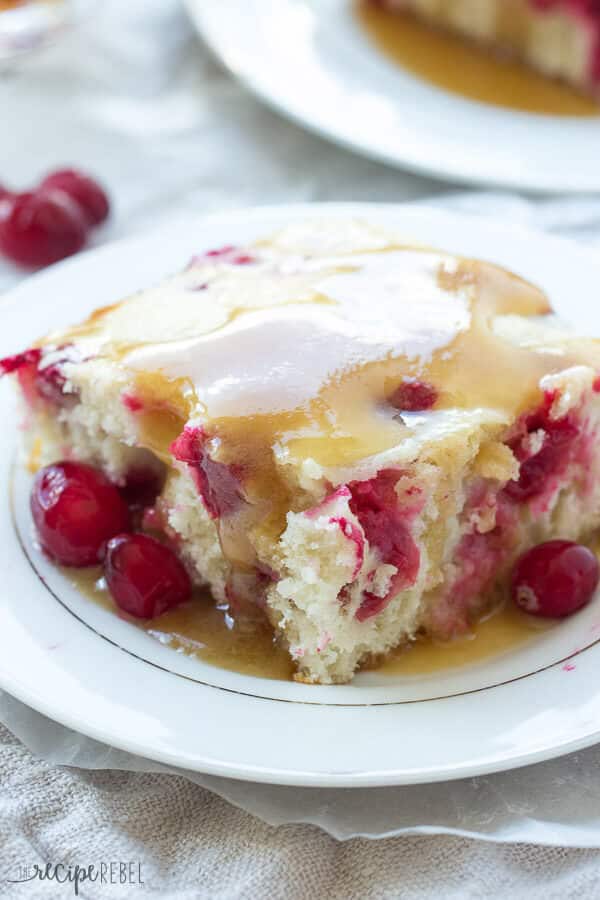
(85, 191)
(227, 250)
(219, 485)
(549, 461)
(595, 73)
(132, 403)
(29, 358)
(50, 382)
(555, 579)
(142, 486)
(242, 259)
(46, 381)
(144, 576)
(230, 254)
(76, 510)
(386, 525)
(414, 396)
(39, 229)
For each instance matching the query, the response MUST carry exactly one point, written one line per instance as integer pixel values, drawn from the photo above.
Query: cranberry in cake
(559, 38)
(343, 436)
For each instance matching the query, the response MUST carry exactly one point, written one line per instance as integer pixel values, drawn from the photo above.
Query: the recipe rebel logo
(113, 872)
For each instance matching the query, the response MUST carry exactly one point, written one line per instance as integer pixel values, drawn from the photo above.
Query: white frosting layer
(267, 337)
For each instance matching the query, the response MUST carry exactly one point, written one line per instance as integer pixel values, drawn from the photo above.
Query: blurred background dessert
(545, 53)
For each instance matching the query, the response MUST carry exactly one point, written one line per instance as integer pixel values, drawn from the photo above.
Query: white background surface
(132, 97)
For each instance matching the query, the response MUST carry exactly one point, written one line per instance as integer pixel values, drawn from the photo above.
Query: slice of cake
(350, 437)
(560, 38)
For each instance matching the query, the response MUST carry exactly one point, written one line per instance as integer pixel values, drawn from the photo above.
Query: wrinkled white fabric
(134, 97)
(191, 844)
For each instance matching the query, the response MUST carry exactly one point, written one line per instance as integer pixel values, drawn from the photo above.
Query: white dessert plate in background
(312, 61)
(78, 663)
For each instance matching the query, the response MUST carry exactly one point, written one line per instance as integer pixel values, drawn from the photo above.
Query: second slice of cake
(559, 38)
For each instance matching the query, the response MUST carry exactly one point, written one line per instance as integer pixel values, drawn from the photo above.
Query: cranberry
(242, 259)
(387, 527)
(29, 358)
(227, 250)
(229, 254)
(132, 403)
(51, 382)
(353, 534)
(39, 229)
(46, 381)
(414, 396)
(595, 60)
(555, 579)
(24, 366)
(76, 509)
(85, 191)
(219, 485)
(142, 486)
(549, 461)
(144, 576)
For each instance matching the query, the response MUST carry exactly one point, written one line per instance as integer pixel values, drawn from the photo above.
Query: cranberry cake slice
(346, 436)
(560, 38)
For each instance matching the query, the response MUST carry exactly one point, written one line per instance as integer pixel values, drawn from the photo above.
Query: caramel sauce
(201, 629)
(455, 65)
(341, 425)
(165, 408)
(205, 631)
(504, 630)
(157, 429)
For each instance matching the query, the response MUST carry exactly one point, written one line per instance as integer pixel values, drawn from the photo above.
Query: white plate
(81, 665)
(310, 60)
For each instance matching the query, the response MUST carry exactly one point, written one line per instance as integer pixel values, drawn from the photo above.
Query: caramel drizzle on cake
(307, 354)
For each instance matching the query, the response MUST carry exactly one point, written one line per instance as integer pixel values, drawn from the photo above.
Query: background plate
(311, 60)
(81, 665)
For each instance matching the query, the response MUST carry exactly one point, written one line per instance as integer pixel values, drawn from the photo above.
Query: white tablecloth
(133, 97)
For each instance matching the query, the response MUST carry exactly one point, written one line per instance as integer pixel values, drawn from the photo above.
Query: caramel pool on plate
(451, 63)
(203, 630)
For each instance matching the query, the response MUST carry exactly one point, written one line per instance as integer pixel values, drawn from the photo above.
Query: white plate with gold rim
(312, 61)
(77, 662)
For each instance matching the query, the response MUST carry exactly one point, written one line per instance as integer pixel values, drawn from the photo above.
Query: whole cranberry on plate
(76, 510)
(144, 576)
(555, 579)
